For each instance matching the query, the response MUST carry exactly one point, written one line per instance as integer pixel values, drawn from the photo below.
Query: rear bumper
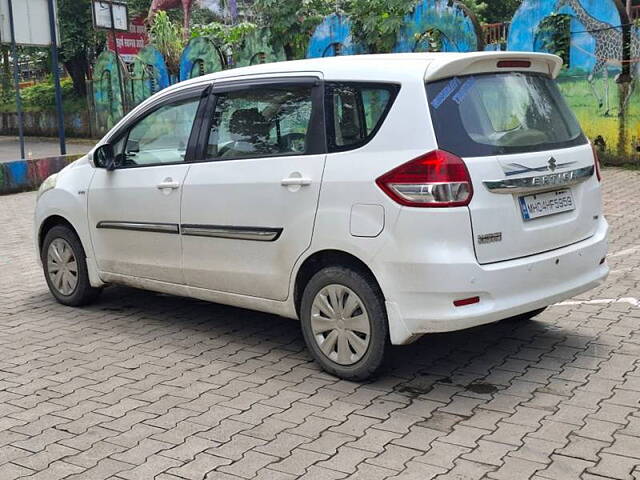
(423, 303)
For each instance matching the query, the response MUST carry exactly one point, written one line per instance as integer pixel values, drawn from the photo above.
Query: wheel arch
(324, 258)
(50, 222)
(56, 219)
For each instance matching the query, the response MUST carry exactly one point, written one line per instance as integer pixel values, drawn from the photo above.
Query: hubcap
(340, 324)
(62, 267)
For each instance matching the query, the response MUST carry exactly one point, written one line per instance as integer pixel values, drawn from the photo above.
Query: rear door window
(355, 112)
(261, 122)
(501, 113)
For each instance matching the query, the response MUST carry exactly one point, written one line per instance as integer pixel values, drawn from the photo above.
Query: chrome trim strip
(517, 169)
(260, 234)
(140, 226)
(540, 183)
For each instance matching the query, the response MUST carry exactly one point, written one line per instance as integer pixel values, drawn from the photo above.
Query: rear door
(533, 174)
(248, 210)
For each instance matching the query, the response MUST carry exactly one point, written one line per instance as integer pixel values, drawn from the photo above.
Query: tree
(477, 7)
(292, 21)
(376, 23)
(167, 36)
(79, 42)
(498, 11)
(138, 8)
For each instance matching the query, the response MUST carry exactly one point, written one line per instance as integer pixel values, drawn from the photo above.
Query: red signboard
(131, 42)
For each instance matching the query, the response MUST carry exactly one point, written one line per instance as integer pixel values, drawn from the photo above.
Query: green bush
(43, 95)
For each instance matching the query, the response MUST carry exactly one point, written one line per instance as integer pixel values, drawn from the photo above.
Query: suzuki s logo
(551, 166)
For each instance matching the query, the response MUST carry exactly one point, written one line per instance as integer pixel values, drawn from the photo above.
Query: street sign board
(130, 43)
(31, 18)
(102, 15)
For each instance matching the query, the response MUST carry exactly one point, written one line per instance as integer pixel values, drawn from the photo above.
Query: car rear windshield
(501, 113)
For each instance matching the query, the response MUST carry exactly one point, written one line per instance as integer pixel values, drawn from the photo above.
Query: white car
(375, 198)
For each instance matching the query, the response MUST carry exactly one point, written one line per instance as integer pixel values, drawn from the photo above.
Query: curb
(25, 175)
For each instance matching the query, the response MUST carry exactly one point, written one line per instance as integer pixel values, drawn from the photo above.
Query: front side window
(501, 113)
(160, 137)
(355, 112)
(258, 122)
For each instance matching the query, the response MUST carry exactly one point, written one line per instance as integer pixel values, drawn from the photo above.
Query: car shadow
(479, 361)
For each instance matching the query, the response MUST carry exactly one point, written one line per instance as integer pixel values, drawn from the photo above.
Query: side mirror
(104, 157)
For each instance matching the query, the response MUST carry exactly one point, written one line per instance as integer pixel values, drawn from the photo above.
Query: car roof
(375, 67)
(416, 67)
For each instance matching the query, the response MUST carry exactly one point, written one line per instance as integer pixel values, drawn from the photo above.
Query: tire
(526, 316)
(345, 334)
(66, 242)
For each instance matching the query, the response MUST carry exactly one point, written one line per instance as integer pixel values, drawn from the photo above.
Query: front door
(134, 210)
(248, 212)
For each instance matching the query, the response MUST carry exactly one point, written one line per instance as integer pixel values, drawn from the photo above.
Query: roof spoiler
(486, 62)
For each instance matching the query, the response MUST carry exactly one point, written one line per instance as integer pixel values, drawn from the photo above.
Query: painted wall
(45, 124)
(26, 175)
(525, 23)
(107, 93)
(456, 26)
(605, 109)
(200, 55)
(150, 75)
(333, 37)
(607, 113)
(258, 48)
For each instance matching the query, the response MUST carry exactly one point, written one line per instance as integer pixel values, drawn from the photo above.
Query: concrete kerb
(25, 175)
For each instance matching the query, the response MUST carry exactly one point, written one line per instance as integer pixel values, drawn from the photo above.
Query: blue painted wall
(525, 23)
(459, 33)
(334, 29)
(149, 63)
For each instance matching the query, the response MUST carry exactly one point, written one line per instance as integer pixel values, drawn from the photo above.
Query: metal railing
(495, 32)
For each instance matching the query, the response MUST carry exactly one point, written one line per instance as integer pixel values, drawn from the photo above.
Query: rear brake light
(596, 162)
(437, 179)
(514, 64)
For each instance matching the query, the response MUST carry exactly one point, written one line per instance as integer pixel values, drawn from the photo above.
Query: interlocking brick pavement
(142, 385)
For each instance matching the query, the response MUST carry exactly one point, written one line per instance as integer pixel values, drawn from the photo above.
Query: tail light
(596, 161)
(437, 179)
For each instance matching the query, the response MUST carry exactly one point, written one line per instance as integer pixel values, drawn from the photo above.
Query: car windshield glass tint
(500, 113)
(259, 122)
(356, 111)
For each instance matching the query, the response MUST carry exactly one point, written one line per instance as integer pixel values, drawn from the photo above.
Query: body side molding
(140, 226)
(260, 234)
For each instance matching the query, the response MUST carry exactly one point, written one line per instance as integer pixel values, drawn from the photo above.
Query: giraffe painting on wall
(608, 51)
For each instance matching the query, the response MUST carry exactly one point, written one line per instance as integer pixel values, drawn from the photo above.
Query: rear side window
(355, 112)
(501, 113)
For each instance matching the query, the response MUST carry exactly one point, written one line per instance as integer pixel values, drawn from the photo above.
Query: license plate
(548, 203)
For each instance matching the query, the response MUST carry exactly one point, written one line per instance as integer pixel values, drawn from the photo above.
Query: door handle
(299, 181)
(168, 183)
